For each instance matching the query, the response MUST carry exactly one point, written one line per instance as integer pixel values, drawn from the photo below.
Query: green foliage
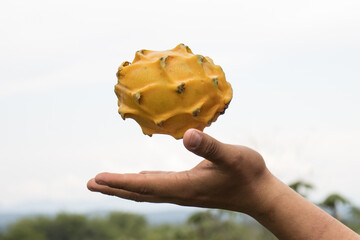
(333, 200)
(225, 225)
(354, 222)
(26, 229)
(127, 226)
(168, 232)
(116, 226)
(209, 225)
(332, 203)
(204, 225)
(301, 187)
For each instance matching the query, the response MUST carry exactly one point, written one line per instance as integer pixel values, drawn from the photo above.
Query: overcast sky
(294, 67)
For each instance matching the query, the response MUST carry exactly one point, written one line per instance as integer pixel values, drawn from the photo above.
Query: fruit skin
(168, 92)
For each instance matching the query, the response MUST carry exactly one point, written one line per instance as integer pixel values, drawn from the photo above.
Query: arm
(232, 178)
(301, 218)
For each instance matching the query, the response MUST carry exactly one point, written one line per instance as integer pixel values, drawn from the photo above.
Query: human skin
(233, 178)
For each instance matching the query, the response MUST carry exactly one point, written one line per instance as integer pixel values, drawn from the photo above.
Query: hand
(233, 178)
(229, 178)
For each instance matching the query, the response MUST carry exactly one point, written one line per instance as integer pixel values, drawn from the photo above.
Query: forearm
(290, 216)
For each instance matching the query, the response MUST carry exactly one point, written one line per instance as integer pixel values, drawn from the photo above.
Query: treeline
(209, 224)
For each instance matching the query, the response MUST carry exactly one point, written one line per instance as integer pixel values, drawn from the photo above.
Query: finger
(94, 187)
(155, 172)
(205, 146)
(163, 185)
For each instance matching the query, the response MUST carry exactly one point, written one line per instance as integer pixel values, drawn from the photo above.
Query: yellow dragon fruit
(168, 92)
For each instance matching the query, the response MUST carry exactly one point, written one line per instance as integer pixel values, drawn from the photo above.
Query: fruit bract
(168, 92)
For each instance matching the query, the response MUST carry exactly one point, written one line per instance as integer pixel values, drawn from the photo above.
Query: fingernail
(195, 140)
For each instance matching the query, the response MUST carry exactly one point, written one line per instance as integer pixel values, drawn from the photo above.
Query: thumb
(205, 146)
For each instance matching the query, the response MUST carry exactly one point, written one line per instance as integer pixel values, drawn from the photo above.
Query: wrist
(290, 216)
(267, 191)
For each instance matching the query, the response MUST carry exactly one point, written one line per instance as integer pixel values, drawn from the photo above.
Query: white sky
(294, 67)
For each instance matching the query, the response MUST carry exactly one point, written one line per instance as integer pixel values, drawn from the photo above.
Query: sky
(294, 67)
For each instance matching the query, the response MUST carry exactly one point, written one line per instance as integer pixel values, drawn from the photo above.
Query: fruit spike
(160, 124)
(200, 59)
(225, 107)
(196, 112)
(163, 61)
(137, 97)
(139, 55)
(140, 52)
(181, 88)
(124, 64)
(183, 46)
(122, 115)
(215, 81)
(173, 101)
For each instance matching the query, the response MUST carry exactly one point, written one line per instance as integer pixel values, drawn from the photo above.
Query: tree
(354, 222)
(127, 226)
(169, 232)
(225, 225)
(332, 203)
(115, 226)
(26, 229)
(301, 187)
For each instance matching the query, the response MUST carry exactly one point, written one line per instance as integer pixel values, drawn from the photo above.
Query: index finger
(172, 185)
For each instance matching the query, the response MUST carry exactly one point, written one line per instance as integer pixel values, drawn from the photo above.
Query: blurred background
(294, 67)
